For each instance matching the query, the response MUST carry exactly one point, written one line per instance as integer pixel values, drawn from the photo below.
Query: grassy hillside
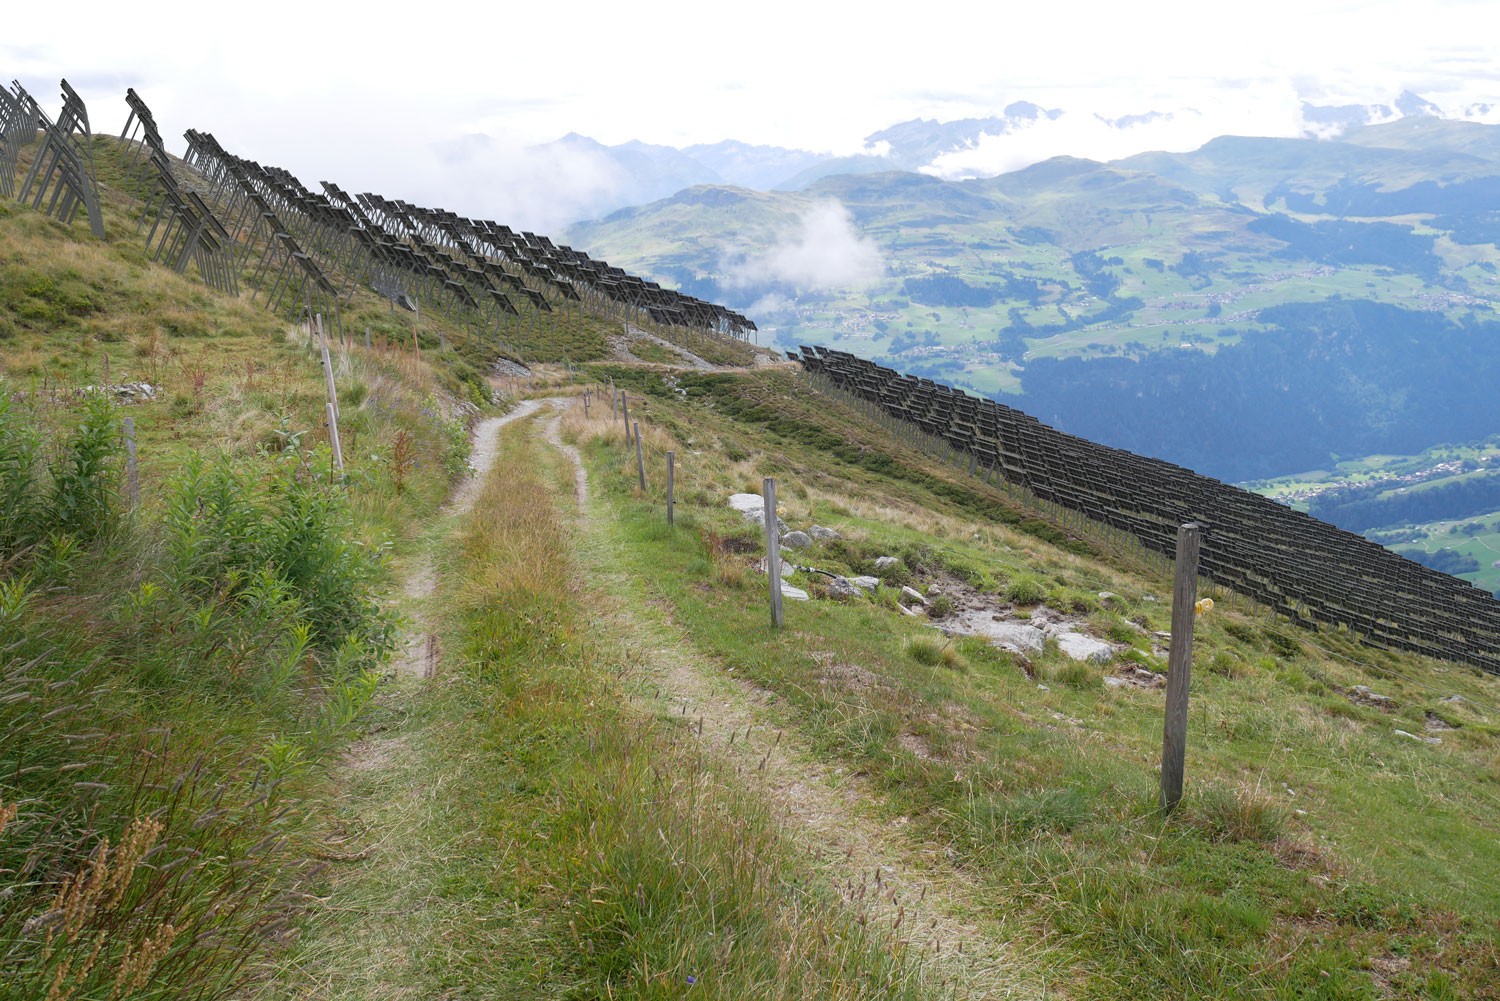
(614, 779)
(178, 675)
(1311, 858)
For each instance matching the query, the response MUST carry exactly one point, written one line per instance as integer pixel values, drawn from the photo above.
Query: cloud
(1266, 111)
(822, 252)
(538, 188)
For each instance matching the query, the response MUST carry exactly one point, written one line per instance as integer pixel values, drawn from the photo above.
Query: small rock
(795, 593)
(819, 532)
(796, 540)
(1044, 688)
(913, 594)
(787, 569)
(1111, 681)
(868, 583)
(1107, 595)
(908, 611)
(1436, 722)
(843, 587)
(1362, 693)
(885, 562)
(1425, 740)
(1454, 698)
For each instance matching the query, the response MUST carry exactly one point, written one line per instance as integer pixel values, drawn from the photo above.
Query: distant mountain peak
(1414, 105)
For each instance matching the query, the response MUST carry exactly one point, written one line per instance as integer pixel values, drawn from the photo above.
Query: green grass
(178, 677)
(1262, 884)
(583, 844)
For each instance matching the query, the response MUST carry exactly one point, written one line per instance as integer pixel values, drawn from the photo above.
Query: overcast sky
(367, 98)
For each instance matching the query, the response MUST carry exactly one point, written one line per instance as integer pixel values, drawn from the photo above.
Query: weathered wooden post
(333, 398)
(640, 461)
(333, 437)
(625, 411)
(773, 549)
(132, 470)
(671, 477)
(1179, 665)
(585, 405)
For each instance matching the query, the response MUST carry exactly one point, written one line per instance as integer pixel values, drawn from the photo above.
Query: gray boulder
(819, 532)
(885, 562)
(867, 583)
(753, 507)
(912, 594)
(843, 587)
(795, 593)
(1079, 646)
(796, 540)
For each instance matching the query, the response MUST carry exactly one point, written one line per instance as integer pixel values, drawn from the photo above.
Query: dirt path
(420, 654)
(914, 892)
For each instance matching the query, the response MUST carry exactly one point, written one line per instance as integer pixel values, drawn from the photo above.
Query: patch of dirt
(1436, 722)
(849, 676)
(372, 753)
(1385, 969)
(1361, 695)
(916, 745)
(688, 358)
(1135, 677)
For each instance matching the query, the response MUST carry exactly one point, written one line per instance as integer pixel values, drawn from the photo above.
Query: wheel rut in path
(420, 654)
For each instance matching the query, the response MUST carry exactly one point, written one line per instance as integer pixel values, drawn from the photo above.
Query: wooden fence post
(640, 461)
(773, 549)
(1179, 665)
(333, 398)
(625, 412)
(333, 437)
(132, 470)
(671, 477)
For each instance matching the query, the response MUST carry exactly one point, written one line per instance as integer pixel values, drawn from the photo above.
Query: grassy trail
(560, 832)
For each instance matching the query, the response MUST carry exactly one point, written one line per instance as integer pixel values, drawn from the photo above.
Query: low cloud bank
(821, 253)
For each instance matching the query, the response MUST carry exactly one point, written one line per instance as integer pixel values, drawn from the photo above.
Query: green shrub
(932, 651)
(1238, 815)
(1052, 810)
(224, 527)
(925, 650)
(941, 607)
(1025, 589)
(1226, 665)
(1076, 674)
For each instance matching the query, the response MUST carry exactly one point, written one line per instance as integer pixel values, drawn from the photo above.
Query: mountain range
(1364, 269)
(635, 173)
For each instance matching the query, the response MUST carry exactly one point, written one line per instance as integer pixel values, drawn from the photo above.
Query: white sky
(362, 97)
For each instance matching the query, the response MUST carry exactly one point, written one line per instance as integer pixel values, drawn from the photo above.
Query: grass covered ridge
(1320, 853)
